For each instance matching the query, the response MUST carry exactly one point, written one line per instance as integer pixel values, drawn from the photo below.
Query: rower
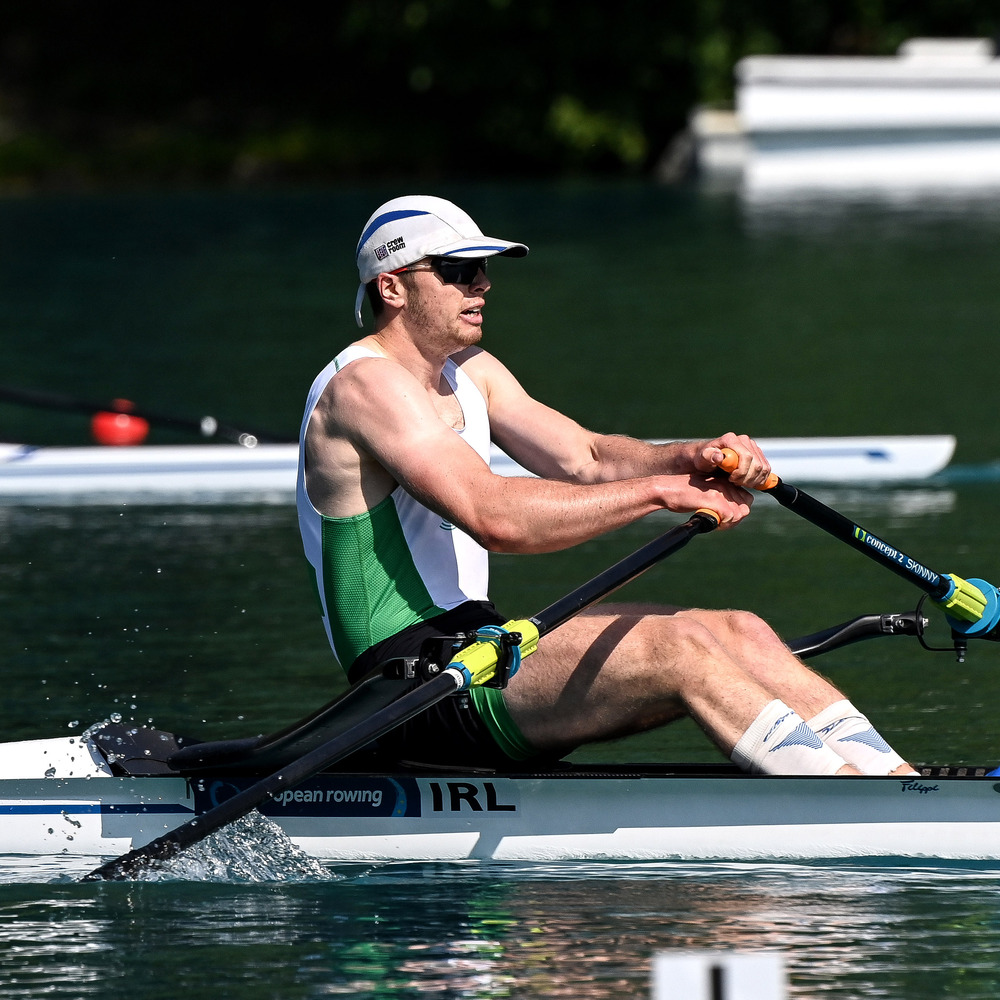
(399, 510)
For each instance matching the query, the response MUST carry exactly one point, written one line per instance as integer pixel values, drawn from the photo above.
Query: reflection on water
(817, 215)
(470, 930)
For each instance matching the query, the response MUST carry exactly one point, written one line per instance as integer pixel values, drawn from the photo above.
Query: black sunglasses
(451, 270)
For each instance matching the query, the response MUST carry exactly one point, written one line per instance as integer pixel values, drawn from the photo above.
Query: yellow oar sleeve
(966, 601)
(478, 661)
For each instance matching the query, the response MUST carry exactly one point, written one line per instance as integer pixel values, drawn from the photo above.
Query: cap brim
(486, 247)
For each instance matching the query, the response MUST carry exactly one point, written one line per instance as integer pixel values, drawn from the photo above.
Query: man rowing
(398, 511)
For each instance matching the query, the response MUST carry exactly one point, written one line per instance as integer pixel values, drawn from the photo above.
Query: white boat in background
(210, 473)
(193, 473)
(102, 796)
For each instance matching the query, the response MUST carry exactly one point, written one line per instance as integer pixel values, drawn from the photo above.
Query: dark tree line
(151, 91)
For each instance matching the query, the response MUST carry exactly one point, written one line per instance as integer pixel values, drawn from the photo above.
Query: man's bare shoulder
(367, 368)
(343, 477)
(360, 385)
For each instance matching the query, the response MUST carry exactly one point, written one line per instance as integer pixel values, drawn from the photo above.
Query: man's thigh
(590, 678)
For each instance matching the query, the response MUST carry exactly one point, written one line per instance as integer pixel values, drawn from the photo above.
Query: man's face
(439, 304)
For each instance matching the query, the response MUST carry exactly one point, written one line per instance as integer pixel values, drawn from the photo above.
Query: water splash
(250, 849)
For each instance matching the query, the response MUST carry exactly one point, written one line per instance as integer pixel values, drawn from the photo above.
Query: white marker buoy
(719, 975)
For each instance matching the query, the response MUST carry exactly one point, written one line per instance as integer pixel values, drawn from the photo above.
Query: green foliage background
(116, 92)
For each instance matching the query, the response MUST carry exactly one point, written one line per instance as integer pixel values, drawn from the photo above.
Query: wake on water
(250, 849)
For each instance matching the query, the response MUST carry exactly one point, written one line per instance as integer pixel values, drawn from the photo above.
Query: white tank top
(399, 563)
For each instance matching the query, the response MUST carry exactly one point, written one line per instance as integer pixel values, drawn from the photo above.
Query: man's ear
(392, 289)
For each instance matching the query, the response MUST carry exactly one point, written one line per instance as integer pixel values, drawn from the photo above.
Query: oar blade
(137, 864)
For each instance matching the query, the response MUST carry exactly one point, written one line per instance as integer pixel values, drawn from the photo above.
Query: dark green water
(643, 310)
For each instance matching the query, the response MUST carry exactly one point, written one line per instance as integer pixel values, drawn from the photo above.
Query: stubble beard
(453, 336)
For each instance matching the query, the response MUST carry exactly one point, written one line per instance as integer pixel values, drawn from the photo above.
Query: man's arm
(553, 445)
(386, 417)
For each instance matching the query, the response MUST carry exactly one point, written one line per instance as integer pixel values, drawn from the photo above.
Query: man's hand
(730, 504)
(753, 468)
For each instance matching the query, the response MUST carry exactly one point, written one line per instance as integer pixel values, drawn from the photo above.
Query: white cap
(408, 229)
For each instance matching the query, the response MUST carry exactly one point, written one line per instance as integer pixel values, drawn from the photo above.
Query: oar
(207, 426)
(972, 606)
(473, 666)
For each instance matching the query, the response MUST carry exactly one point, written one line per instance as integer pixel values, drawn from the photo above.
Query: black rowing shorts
(452, 731)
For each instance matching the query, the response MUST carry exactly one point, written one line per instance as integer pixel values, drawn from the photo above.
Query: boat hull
(567, 813)
(648, 818)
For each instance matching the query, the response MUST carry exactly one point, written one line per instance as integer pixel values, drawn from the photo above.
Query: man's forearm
(618, 457)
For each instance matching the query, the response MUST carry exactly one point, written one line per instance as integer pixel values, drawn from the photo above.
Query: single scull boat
(266, 472)
(74, 797)
(120, 786)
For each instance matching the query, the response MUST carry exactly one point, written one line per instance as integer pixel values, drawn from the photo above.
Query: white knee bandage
(779, 742)
(849, 733)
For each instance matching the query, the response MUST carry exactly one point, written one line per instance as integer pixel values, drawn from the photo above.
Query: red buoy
(119, 428)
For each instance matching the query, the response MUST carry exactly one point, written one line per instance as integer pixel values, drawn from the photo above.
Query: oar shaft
(932, 583)
(622, 572)
(973, 606)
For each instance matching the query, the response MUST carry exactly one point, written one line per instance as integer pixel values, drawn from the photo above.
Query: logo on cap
(391, 247)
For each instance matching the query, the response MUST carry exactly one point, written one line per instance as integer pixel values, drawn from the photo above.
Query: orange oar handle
(731, 462)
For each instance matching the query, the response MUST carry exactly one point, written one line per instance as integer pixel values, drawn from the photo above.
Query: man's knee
(685, 635)
(740, 628)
